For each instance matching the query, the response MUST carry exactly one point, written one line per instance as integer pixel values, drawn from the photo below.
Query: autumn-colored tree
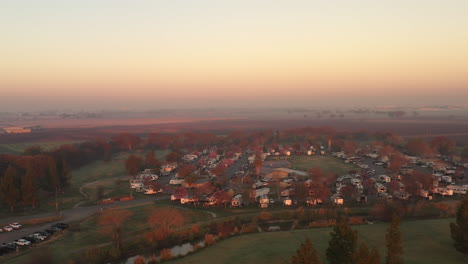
(258, 161)
(64, 173)
(53, 175)
(419, 147)
(9, 191)
(151, 162)
(165, 254)
(425, 180)
(443, 145)
(209, 239)
(366, 256)
(349, 191)
(111, 221)
(221, 197)
(394, 243)
(163, 222)
(127, 141)
(306, 254)
(185, 170)
(180, 192)
(459, 229)
(349, 147)
(133, 164)
(219, 170)
(396, 161)
(139, 260)
(343, 244)
(386, 151)
(30, 187)
(319, 187)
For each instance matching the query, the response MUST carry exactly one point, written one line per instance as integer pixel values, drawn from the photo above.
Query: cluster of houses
(146, 182)
(277, 182)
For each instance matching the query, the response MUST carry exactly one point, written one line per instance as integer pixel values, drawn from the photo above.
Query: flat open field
(424, 241)
(326, 163)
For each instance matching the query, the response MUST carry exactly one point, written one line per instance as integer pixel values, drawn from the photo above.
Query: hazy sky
(232, 53)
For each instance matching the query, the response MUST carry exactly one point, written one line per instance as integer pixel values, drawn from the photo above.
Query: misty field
(18, 148)
(326, 163)
(424, 241)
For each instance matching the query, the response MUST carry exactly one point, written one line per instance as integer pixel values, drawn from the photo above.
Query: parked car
(8, 228)
(23, 242)
(49, 231)
(16, 225)
(7, 248)
(32, 239)
(61, 225)
(39, 236)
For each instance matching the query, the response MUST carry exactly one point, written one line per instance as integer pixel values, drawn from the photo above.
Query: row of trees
(343, 247)
(22, 185)
(25, 178)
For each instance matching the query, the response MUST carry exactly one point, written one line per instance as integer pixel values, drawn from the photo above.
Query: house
(457, 189)
(189, 157)
(337, 200)
(152, 191)
(187, 200)
(17, 130)
(176, 181)
(262, 192)
(401, 195)
(136, 183)
(385, 178)
(264, 201)
(287, 201)
(384, 195)
(197, 184)
(380, 188)
(425, 194)
(236, 201)
(166, 169)
(313, 201)
(287, 192)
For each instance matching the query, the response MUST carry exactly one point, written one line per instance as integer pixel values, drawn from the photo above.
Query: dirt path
(86, 196)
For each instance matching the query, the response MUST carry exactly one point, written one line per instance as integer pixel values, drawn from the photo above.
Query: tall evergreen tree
(30, 187)
(342, 246)
(393, 242)
(9, 191)
(459, 230)
(306, 254)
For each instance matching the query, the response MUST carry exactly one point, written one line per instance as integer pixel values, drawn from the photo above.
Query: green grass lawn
(87, 234)
(424, 241)
(326, 163)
